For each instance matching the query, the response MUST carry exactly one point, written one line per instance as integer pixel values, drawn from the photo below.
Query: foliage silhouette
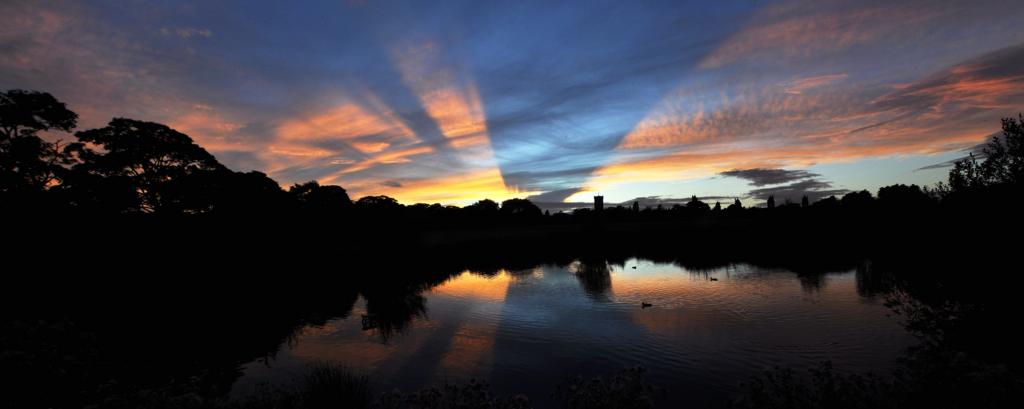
(321, 200)
(168, 172)
(28, 163)
(520, 210)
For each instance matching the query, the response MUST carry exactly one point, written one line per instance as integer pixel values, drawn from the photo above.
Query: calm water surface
(527, 331)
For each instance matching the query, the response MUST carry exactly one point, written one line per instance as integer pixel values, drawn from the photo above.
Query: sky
(454, 101)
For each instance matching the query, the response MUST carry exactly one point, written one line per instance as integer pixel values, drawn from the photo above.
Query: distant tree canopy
(520, 209)
(378, 202)
(697, 204)
(313, 197)
(903, 197)
(484, 207)
(248, 193)
(857, 200)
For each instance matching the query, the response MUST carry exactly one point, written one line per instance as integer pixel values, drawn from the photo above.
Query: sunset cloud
(801, 85)
(785, 185)
(799, 30)
(347, 121)
(448, 103)
(763, 177)
(451, 100)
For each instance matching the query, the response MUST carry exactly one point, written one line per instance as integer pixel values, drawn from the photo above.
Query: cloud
(555, 196)
(186, 32)
(451, 100)
(763, 177)
(799, 29)
(538, 179)
(785, 184)
(801, 85)
(538, 99)
(655, 201)
(977, 150)
(369, 124)
(241, 161)
(814, 189)
(994, 81)
(693, 133)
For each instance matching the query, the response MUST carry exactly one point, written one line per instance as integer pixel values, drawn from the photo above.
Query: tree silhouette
(1004, 156)
(27, 162)
(520, 209)
(736, 206)
(381, 209)
(1003, 164)
(482, 212)
(857, 200)
(249, 193)
(322, 200)
(378, 202)
(162, 166)
(828, 203)
(697, 205)
(771, 202)
(483, 207)
(903, 197)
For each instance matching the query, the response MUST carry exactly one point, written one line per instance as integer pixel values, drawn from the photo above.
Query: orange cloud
(391, 157)
(700, 116)
(347, 120)
(794, 30)
(949, 111)
(799, 86)
(208, 128)
(702, 161)
(370, 147)
(452, 103)
(298, 151)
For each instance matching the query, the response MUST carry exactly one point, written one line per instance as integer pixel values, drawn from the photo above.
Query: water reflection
(595, 277)
(526, 329)
(389, 313)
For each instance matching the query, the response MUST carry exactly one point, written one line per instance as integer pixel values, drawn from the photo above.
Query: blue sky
(456, 101)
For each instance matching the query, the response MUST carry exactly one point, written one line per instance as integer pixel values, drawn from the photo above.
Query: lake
(527, 331)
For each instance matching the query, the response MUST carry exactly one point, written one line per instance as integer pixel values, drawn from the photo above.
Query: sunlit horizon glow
(456, 102)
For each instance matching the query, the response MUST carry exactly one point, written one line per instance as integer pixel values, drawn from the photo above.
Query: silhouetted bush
(627, 389)
(476, 394)
(331, 386)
